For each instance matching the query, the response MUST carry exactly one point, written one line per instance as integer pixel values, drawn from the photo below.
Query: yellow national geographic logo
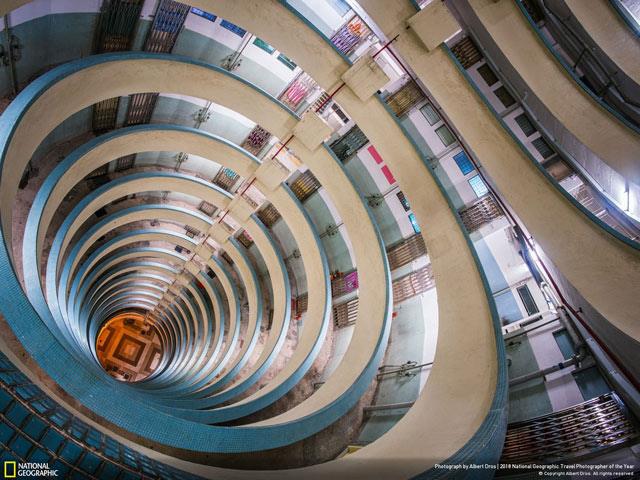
(28, 469)
(10, 469)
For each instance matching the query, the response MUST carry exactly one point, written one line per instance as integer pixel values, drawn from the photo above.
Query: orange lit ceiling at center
(128, 347)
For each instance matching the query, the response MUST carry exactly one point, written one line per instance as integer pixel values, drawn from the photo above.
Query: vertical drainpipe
(12, 65)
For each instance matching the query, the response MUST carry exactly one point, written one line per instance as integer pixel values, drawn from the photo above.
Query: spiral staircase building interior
(359, 239)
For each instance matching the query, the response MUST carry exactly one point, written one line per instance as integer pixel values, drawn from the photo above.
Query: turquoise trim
(486, 443)
(304, 20)
(237, 411)
(570, 72)
(197, 384)
(95, 391)
(626, 16)
(633, 244)
(246, 383)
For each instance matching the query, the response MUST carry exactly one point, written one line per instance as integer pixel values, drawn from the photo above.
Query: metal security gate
(345, 314)
(268, 215)
(140, 109)
(409, 95)
(413, 284)
(167, 24)
(349, 144)
(406, 251)
(466, 52)
(305, 185)
(480, 213)
(114, 33)
(578, 431)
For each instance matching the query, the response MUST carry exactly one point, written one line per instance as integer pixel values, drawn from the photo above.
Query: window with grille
(487, 75)
(105, 114)
(463, 162)
(430, 114)
(321, 103)
(256, 140)
(191, 232)
(140, 109)
(466, 52)
(233, 28)
(527, 300)
(403, 201)
(207, 208)
(484, 211)
(504, 96)
(167, 25)
(478, 186)
(125, 163)
(350, 35)
(349, 144)
(302, 303)
(525, 124)
(406, 251)
(305, 185)
(408, 96)
(245, 239)
(445, 135)
(542, 147)
(226, 178)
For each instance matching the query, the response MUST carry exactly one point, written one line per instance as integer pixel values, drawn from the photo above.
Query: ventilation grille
(345, 283)
(406, 251)
(406, 98)
(413, 284)
(269, 215)
(349, 144)
(140, 108)
(245, 239)
(480, 213)
(403, 201)
(466, 52)
(305, 185)
(345, 314)
(302, 304)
